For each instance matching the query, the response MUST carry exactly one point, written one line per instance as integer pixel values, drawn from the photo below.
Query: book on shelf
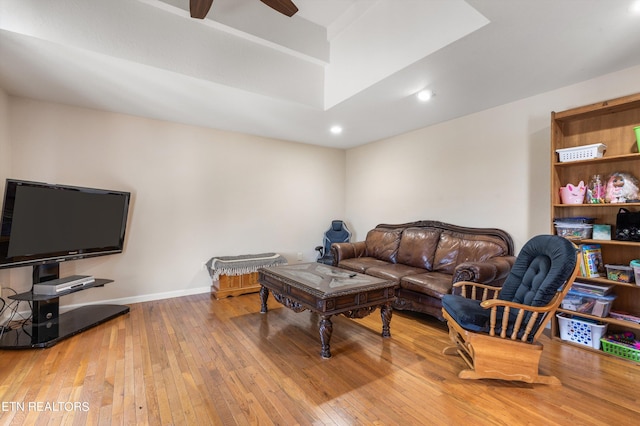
(625, 316)
(591, 265)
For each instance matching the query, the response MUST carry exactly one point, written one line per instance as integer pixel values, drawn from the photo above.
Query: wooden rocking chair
(496, 329)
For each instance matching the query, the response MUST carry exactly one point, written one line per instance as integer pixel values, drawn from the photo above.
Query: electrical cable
(13, 307)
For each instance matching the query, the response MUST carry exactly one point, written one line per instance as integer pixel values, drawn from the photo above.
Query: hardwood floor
(197, 360)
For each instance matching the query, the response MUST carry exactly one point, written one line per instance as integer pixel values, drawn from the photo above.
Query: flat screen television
(47, 224)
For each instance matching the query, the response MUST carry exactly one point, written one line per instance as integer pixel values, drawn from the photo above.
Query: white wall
(5, 164)
(489, 169)
(5, 147)
(196, 193)
(200, 192)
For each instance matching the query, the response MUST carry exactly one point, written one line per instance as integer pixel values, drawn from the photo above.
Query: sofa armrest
(492, 271)
(343, 251)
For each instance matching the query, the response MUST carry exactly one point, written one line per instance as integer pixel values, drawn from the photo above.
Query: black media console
(48, 326)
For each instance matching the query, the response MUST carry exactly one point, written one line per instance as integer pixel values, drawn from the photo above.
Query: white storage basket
(585, 152)
(582, 332)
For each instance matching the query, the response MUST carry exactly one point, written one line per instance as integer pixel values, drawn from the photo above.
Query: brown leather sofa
(426, 257)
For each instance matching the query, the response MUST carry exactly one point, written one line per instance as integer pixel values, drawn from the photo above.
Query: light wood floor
(197, 360)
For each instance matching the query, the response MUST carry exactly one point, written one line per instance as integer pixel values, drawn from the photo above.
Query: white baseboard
(142, 298)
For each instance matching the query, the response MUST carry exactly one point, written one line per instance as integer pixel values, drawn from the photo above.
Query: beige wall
(200, 192)
(5, 165)
(196, 193)
(488, 169)
(5, 148)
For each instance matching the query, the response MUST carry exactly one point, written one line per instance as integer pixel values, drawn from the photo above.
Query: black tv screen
(45, 223)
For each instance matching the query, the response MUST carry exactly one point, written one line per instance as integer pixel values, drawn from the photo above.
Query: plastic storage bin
(581, 331)
(574, 231)
(587, 303)
(620, 273)
(594, 289)
(585, 152)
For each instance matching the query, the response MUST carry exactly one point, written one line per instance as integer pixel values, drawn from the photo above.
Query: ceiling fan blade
(286, 7)
(199, 8)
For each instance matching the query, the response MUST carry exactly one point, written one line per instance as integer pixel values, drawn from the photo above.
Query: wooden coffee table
(327, 291)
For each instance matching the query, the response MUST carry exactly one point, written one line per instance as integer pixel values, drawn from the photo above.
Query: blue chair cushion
(466, 312)
(541, 268)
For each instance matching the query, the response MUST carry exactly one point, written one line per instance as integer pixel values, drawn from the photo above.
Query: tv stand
(48, 326)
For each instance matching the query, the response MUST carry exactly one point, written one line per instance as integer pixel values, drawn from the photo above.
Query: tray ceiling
(356, 63)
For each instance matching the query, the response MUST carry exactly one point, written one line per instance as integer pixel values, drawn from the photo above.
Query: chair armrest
(342, 251)
(494, 270)
(491, 303)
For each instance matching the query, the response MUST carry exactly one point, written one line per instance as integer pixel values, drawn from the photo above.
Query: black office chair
(338, 233)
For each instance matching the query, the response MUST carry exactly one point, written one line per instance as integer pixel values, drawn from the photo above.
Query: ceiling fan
(200, 8)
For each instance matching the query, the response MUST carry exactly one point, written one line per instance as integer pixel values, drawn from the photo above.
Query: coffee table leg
(385, 314)
(264, 295)
(326, 328)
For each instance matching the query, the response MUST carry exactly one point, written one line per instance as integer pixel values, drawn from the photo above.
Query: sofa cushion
(435, 284)
(383, 244)
(418, 247)
(361, 264)
(393, 271)
(455, 248)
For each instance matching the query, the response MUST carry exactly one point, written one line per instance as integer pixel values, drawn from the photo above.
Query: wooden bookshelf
(611, 123)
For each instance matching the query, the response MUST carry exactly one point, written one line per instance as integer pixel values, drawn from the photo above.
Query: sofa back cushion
(455, 248)
(383, 244)
(418, 247)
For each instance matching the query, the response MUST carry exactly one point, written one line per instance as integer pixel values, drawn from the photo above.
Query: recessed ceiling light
(634, 9)
(424, 95)
(336, 130)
